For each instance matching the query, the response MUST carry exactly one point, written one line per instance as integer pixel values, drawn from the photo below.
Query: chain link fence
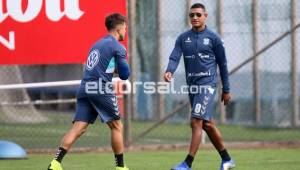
(264, 105)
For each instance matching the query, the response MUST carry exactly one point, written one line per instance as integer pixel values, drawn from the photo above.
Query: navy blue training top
(105, 56)
(202, 52)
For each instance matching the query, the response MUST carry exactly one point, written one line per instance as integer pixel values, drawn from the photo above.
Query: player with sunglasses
(203, 51)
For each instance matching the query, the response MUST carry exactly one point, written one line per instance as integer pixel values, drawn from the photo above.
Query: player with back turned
(203, 51)
(105, 56)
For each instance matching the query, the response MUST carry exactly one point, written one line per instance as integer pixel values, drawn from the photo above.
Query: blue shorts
(89, 107)
(202, 104)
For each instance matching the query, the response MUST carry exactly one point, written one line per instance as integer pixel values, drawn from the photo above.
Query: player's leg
(212, 131)
(196, 126)
(68, 140)
(84, 115)
(73, 134)
(216, 138)
(116, 136)
(199, 113)
(214, 134)
(117, 143)
(107, 108)
(70, 137)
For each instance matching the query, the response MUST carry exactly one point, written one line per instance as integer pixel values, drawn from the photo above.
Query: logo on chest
(203, 56)
(206, 41)
(93, 59)
(188, 40)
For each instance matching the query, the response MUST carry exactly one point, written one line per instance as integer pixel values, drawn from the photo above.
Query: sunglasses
(191, 15)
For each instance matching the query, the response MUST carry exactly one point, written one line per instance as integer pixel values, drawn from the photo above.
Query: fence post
(255, 66)
(188, 5)
(221, 32)
(294, 84)
(130, 99)
(158, 77)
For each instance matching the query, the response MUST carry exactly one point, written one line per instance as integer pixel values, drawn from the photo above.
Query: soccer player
(202, 50)
(105, 56)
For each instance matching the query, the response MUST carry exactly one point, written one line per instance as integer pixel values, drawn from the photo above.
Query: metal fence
(262, 57)
(261, 44)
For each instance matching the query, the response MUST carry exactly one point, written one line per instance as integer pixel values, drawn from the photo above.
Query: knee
(208, 126)
(196, 124)
(116, 125)
(78, 130)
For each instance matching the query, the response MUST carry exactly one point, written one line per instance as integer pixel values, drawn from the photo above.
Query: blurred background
(261, 40)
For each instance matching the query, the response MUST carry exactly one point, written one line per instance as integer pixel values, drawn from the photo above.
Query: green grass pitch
(250, 159)
(98, 135)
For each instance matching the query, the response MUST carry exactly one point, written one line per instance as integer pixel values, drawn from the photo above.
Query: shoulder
(103, 43)
(184, 35)
(119, 48)
(213, 34)
(216, 38)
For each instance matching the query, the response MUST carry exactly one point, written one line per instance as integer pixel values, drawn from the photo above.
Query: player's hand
(226, 97)
(168, 76)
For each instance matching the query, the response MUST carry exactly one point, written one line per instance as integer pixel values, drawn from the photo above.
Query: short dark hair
(198, 5)
(111, 21)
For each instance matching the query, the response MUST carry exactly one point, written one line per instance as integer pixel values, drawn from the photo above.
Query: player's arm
(222, 63)
(122, 65)
(174, 60)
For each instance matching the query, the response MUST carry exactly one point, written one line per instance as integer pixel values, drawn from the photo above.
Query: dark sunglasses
(191, 15)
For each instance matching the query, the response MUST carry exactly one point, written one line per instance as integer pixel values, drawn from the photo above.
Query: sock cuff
(61, 152)
(224, 155)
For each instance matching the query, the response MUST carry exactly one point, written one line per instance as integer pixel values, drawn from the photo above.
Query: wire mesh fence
(263, 105)
(262, 96)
